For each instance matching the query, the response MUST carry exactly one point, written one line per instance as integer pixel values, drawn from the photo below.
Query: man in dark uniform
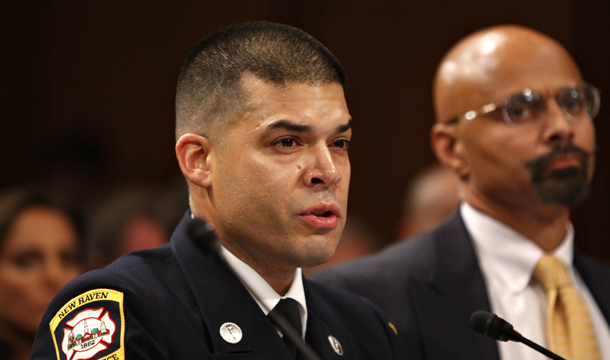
(514, 122)
(262, 134)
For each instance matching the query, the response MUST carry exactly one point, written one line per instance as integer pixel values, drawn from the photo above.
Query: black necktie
(289, 308)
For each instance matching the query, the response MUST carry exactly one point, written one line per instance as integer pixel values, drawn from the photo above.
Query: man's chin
(316, 258)
(567, 191)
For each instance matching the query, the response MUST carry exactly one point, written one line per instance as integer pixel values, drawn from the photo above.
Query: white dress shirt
(507, 260)
(265, 296)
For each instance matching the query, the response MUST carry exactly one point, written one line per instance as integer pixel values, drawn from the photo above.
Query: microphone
(205, 236)
(499, 329)
(203, 233)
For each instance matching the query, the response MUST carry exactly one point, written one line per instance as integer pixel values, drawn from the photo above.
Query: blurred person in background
(130, 218)
(40, 237)
(430, 198)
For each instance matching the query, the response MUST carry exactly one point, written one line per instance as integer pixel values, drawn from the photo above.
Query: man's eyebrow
(345, 127)
(290, 126)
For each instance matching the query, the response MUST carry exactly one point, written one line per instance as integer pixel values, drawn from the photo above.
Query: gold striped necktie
(569, 329)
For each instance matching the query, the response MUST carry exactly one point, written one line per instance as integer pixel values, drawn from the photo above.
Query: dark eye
(573, 105)
(342, 144)
(524, 108)
(518, 111)
(69, 259)
(573, 102)
(27, 260)
(286, 142)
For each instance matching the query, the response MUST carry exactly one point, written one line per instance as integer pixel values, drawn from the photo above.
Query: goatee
(568, 186)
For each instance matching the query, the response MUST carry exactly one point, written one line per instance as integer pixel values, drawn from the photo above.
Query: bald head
(491, 59)
(491, 153)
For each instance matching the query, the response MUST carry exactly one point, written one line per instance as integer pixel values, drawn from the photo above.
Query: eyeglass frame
(501, 105)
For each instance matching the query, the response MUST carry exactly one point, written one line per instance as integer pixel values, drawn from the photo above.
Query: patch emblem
(90, 325)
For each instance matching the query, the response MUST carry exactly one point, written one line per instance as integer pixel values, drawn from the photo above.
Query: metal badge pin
(231, 333)
(336, 345)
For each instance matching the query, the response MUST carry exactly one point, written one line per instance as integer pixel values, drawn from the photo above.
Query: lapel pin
(231, 333)
(336, 345)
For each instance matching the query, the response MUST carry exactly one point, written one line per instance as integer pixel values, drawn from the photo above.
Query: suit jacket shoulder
(428, 286)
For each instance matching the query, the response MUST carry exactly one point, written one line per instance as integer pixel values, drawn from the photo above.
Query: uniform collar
(266, 297)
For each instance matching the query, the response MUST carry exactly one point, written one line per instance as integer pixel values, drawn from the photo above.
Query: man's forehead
(303, 105)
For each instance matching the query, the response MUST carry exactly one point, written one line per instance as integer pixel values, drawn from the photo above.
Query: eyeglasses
(576, 102)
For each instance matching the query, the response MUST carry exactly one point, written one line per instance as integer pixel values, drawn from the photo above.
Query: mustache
(541, 162)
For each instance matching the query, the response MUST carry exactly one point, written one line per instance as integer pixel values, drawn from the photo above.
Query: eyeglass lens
(576, 103)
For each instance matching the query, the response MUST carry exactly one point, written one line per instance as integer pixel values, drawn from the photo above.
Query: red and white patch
(88, 333)
(90, 326)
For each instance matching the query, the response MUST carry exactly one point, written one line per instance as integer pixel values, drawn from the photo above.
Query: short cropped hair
(209, 87)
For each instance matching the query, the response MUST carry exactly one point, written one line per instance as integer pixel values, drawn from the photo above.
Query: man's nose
(321, 170)
(558, 128)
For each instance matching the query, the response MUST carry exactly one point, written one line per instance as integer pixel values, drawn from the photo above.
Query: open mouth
(324, 214)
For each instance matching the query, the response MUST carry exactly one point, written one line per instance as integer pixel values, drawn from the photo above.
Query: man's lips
(562, 162)
(322, 215)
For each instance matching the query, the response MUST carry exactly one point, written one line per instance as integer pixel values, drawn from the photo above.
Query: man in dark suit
(262, 134)
(514, 121)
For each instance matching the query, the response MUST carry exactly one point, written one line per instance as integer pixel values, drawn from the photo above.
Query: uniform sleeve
(98, 317)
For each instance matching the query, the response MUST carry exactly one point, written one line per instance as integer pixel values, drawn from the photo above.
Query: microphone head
(204, 235)
(492, 326)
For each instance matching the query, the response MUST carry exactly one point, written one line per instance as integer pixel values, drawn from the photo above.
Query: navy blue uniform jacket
(429, 285)
(175, 300)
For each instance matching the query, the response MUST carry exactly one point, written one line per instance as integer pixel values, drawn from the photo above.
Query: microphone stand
(206, 237)
(540, 349)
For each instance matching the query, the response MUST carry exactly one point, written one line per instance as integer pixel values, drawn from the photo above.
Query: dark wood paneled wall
(105, 72)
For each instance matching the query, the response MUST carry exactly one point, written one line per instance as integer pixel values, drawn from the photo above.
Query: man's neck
(544, 224)
(278, 276)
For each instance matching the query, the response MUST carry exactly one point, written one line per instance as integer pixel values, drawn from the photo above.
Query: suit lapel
(317, 330)
(317, 337)
(596, 277)
(455, 288)
(222, 298)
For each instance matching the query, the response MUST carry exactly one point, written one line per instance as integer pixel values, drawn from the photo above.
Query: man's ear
(448, 148)
(193, 153)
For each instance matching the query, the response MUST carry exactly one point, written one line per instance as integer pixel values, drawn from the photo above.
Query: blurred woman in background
(40, 238)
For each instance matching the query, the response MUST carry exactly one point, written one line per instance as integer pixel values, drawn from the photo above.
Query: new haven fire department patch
(90, 326)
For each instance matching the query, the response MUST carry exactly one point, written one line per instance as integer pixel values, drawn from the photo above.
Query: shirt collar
(266, 297)
(506, 253)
